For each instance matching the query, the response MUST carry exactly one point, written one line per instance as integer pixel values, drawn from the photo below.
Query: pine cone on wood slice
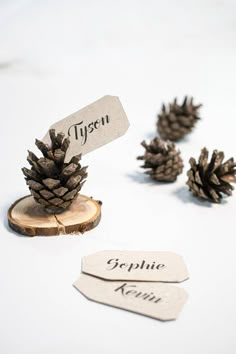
(210, 180)
(52, 182)
(162, 160)
(177, 120)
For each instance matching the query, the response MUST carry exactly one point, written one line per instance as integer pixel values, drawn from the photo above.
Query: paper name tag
(92, 126)
(136, 265)
(156, 300)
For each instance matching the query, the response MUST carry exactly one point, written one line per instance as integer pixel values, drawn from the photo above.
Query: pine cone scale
(35, 185)
(69, 195)
(56, 201)
(60, 191)
(73, 181)
(51, 183)
(46, 194)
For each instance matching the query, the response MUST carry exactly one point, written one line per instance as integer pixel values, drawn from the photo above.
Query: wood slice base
(29, 218)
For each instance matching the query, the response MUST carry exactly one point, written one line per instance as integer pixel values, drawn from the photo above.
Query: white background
(58, 56)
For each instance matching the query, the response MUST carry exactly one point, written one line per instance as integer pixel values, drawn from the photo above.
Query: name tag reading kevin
(93, 126)
(136, 265)
(157, 300)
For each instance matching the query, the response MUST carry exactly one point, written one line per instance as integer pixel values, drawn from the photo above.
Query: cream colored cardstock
(157, 300)
(93, 126)
(136, 265)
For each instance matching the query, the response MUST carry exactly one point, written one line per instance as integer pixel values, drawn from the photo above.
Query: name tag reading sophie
(92, 126)
(136, 265)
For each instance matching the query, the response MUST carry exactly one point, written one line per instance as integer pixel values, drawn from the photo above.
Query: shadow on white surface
(5, 65)
(187, 197)
(143, 178)
(150, 135)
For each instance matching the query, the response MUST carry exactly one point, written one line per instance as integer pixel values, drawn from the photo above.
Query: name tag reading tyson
(93, 126)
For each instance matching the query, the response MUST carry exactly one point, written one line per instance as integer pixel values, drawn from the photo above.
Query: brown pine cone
(209, 180)
(177, 120)
(52, 182)
(162, 160)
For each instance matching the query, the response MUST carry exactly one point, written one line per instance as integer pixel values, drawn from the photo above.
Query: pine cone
(211, 180)
(52, 182)
(162, 160)
(178, 120)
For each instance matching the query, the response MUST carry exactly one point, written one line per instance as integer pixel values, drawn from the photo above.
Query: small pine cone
(209, 180)
(178, 120)
(52, 182)
(162, 160)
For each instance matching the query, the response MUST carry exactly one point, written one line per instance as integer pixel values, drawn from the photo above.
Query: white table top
(58, 56)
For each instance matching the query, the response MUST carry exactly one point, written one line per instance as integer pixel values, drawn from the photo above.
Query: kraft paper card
(136, 265)
(157, 300)
(93, 126)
